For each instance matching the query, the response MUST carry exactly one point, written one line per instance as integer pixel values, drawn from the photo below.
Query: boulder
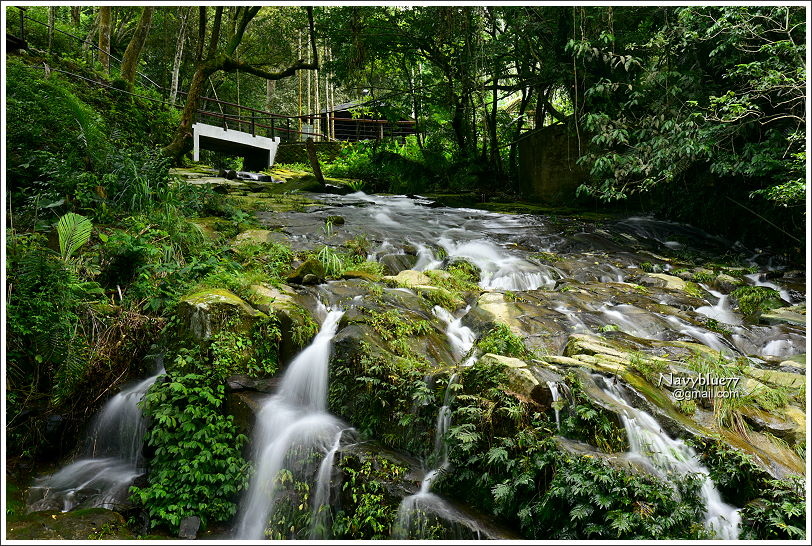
(521, 379)
(395, 263)
(283, 303)
(308, 272)
(661, 280)
(726, 283)
(206, 312)
(189, 526)
(795, 314)
(409, 278)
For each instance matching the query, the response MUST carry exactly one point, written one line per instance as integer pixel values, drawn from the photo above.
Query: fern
(74, 231)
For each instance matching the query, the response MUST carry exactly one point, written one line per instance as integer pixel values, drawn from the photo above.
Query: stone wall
(547, 169)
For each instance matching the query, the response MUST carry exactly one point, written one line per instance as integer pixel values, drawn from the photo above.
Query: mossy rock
(81, 525)
(408, 278)
(311, 271)
(206, 312)
(261, 236)
(296, 326)
(795, 314)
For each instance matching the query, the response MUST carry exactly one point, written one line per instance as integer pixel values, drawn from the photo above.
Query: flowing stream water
(293, 426)
(669, 457)
(417, 512)
(110, 461)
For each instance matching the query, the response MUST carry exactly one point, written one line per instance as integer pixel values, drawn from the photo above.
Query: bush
(197, 468)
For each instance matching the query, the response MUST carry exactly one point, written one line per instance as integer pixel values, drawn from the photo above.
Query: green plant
(74, 231)
(331, 261)
(778, 514)
(501, 340)
(197, 468)
(752, 300)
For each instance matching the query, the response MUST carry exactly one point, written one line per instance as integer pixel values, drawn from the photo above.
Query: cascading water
(111, 459)
(722, 311)
(293, 425)
(553, 385)
(668, 456)
(460, 338)
(414, 510)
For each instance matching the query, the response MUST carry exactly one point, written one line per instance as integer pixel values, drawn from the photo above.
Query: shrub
(197, 468)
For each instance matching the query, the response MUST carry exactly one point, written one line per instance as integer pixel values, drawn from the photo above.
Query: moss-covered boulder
(795, 314)
(311, 271)
(80, 525)
(206, 312)
(296, 326)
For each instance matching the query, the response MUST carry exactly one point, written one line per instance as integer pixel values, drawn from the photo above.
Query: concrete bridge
(259, 152)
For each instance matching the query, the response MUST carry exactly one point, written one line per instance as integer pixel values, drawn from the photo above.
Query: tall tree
(129, 63)
(104, 37)
(215, 58)
(183, 14)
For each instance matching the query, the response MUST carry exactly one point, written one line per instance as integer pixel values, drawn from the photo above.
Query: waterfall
(110, 461)
(556, 397)
(722, 311)
(415, 510)
(292, 426)
(665, 455)
(460, 338)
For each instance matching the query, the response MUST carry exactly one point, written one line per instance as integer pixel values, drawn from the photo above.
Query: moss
(693, 289)
(753, 300)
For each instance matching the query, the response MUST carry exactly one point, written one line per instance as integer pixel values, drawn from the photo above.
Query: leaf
(74, 231)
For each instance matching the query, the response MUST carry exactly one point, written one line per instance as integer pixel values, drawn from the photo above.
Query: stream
(523, 260)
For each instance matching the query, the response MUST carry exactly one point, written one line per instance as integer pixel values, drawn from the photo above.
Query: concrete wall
(547, 169)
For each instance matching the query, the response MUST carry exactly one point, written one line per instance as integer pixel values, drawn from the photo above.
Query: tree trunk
(129, 63)
(75, 16)
(51, 17)
(104, 37)
(182, 142)
(184, 19)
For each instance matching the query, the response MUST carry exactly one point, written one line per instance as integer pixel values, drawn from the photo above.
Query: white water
(111, 459)
(292, 425)
(556, 397)
(722, 311)
(668, 456)
(460, 338)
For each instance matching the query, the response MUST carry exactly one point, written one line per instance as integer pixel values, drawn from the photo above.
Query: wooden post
(314, 160)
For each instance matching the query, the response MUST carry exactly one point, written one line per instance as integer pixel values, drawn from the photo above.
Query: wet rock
(775, 377)
(621, 461)
(395, 263)
(80, 525)
(791, 315)
(228, 174)
(206, 312)
(244, 406)
(240, 382)
(309, 272)
(726, 283)
(661, 280)
(763, 421)
(283, 303)
(189, 527)
(409, 278)
(335, 220)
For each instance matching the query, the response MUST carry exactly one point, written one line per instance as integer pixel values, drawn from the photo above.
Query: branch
(230, 65)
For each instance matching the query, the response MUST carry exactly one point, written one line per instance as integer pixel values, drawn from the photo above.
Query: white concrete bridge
(258, 151)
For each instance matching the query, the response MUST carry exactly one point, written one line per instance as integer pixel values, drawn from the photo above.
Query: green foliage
(582, 420)
(753, 300)
(384, 396)
(779, 513)
(197, 468)
(501, 340)
(367, 511)
(255, 354)
(735, 473)
(74, 231)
